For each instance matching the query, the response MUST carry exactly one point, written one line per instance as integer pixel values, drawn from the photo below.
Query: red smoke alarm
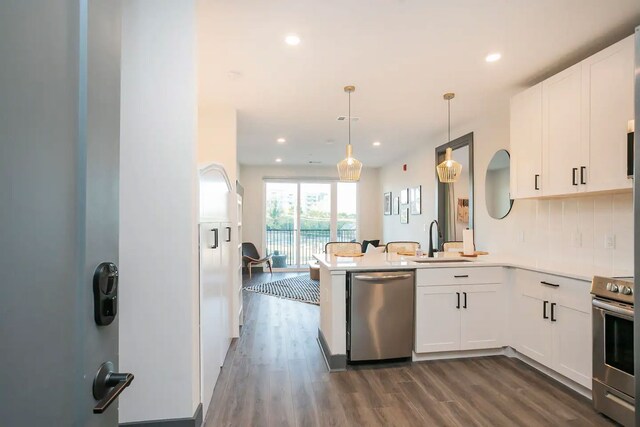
(404, 167)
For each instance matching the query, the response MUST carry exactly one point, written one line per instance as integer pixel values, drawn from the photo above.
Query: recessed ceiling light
(278, 160)
(376, 144)
(493, 57)
(281, 140)
(292, 40)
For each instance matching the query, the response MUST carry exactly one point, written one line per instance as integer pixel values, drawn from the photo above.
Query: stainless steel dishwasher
(380, 315)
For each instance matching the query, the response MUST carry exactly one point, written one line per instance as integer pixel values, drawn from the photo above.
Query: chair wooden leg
(269, 265)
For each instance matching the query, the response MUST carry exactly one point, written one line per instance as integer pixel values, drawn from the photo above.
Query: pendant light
(449, 170)
(349, 168)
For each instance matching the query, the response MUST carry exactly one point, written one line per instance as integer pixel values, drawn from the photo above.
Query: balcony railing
(311, 241)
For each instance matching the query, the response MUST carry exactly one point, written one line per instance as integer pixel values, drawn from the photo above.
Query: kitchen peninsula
(474, 307)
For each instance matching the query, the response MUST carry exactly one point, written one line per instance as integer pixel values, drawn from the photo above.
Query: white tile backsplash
(569, 233)
(623, 234)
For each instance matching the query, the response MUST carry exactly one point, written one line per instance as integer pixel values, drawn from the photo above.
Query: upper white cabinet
(568, 133)
(607, 79)
(562, 145)
(526, 152)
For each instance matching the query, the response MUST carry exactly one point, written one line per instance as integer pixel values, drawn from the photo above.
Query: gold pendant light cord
(449, 113)
(349, 118)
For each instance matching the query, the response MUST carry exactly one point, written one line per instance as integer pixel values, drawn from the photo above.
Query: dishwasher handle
(384, 277)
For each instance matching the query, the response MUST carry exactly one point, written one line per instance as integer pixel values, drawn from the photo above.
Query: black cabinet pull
(215, 238)
(536, 185)
(583, 173)
(574, 179)
(553, 312)
(458, 294)
(544, 310)
(228, 234)
(549, 284)
(461, 276)
(465, 300)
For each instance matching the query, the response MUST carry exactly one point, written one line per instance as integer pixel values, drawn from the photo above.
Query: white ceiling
(402, 56)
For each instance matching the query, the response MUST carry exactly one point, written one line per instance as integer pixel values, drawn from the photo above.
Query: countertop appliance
(380, 307)
(613, 369)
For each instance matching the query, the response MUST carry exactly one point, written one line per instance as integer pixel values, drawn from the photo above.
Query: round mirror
(496, 185)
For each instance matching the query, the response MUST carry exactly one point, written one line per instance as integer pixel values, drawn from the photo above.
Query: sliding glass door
(315, 219)
(282, 223)
(301, 217)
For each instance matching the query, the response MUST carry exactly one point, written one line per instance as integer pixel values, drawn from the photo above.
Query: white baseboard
(421, 357)
(579, 388)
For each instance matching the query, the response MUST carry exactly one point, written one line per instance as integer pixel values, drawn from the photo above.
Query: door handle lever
(107, 386)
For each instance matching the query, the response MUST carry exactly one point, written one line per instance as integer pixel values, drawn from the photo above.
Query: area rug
(298, 288)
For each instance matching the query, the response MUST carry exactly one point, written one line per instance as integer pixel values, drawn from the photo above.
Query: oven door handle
(612, 308)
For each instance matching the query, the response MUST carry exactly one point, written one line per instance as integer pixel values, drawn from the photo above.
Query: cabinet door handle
(549, 284)
(544, 310)
(465, 300)
(461, 276)
(536, 185)
(458, 305)
(553, 312)
(574, 178)
(583, 173)
(215, 238)
(228, 234)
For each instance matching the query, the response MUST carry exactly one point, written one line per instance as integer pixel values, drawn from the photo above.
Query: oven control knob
(612, 287)
(626, 290)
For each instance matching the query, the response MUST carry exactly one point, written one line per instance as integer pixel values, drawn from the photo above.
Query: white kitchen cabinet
(482, 315)
(437, 319)
(579, 132)
(533, 335)
(464, 316)
(562, 146)
(526, 143)
(608, 94)
(571, 343)
(552, 323)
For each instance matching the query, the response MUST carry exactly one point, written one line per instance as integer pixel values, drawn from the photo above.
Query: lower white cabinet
(463, 317)
(533, 335)
(549, 316)
(552, 323)
(437, 319)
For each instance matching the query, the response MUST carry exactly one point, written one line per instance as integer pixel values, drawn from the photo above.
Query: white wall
(369, 197)
(548, 226)
(158, 210)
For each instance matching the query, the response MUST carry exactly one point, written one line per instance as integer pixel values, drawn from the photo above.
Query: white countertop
(393, 261)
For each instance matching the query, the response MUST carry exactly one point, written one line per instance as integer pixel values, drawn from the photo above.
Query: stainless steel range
(613, 373)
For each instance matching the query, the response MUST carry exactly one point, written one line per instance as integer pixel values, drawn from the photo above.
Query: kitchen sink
(440, 260)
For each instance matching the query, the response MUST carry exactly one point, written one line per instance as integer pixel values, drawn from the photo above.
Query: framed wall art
(387, 203)
(404, 215)
(404, 196)
(415, 200)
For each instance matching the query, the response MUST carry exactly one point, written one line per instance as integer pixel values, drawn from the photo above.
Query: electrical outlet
(577, 239)
(609, 241)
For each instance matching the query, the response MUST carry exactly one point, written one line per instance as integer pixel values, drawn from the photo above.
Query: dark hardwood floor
(274, 375)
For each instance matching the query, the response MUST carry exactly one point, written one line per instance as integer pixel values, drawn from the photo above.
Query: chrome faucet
(431, 237)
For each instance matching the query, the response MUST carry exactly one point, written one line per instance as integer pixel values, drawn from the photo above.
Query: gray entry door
(59, 156)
